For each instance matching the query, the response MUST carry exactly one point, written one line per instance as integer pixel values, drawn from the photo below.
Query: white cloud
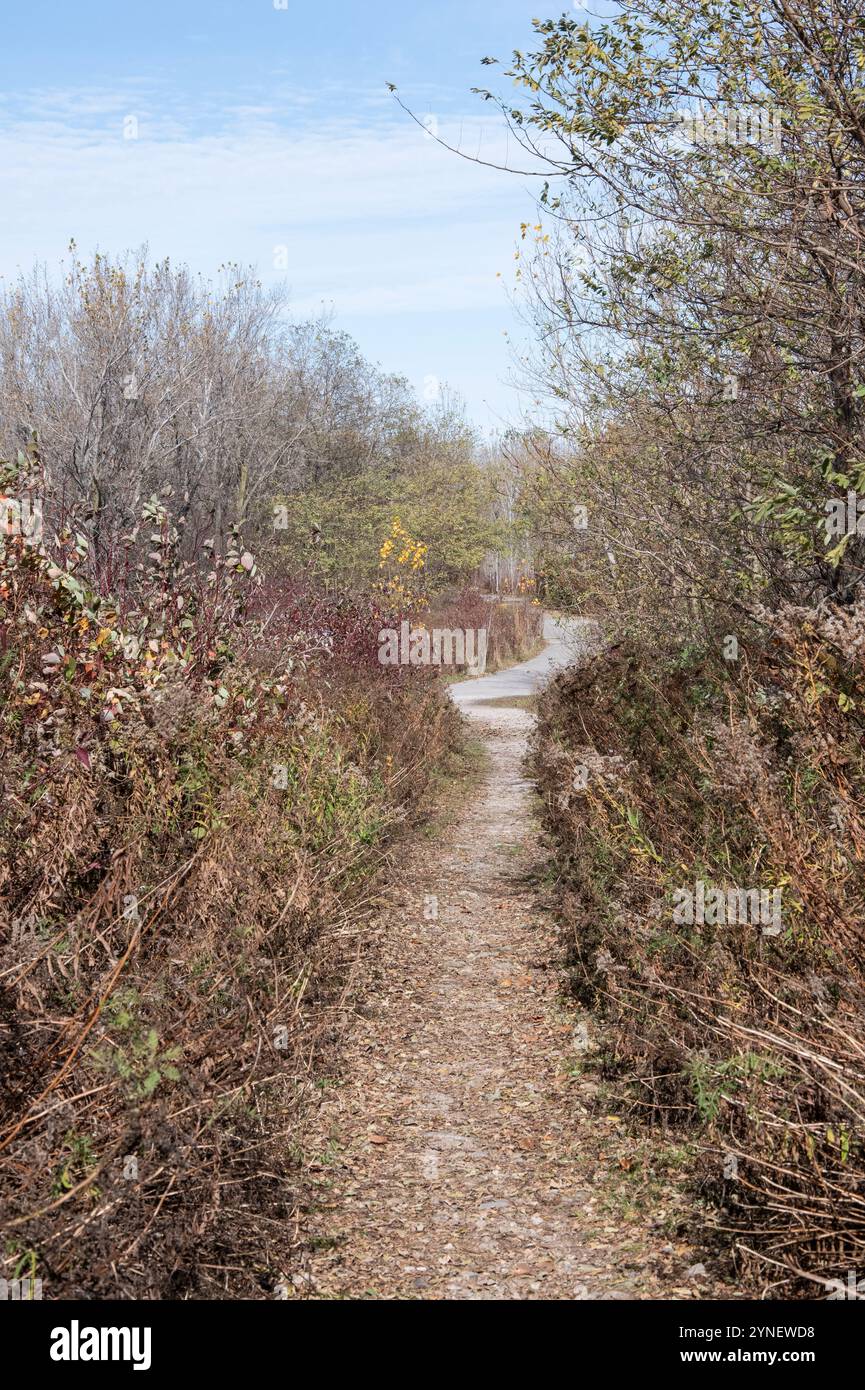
(378, 221)
(376, 217)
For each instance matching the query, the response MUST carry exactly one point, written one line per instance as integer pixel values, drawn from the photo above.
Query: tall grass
(663, 766)
(202, 780)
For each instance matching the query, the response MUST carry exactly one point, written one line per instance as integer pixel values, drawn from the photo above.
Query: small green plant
(712, 1081)
(78, 1159)
(140, 1062)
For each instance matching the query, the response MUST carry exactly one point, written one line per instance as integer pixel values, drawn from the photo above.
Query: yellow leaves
(406, 554)
(539, 236)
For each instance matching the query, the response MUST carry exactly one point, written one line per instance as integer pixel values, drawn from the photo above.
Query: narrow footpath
(465, 1156)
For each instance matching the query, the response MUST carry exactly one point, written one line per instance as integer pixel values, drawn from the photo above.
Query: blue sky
(267, 136)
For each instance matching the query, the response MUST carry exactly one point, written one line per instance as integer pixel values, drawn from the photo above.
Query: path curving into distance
(565, 638)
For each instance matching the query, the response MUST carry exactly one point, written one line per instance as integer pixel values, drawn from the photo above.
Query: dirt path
(464, 1157)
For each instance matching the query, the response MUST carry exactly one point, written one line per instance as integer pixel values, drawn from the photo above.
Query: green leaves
(138, 1059)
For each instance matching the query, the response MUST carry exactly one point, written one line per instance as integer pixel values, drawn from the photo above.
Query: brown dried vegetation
(196, 814)
(751, 1042)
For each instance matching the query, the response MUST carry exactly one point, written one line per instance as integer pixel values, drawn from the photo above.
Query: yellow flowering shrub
(402, 560)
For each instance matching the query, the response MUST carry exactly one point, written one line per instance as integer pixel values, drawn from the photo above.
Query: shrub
(750, 775)
(201, 781)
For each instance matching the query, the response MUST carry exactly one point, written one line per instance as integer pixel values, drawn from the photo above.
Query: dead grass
(747, 1044)
(187, 888)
